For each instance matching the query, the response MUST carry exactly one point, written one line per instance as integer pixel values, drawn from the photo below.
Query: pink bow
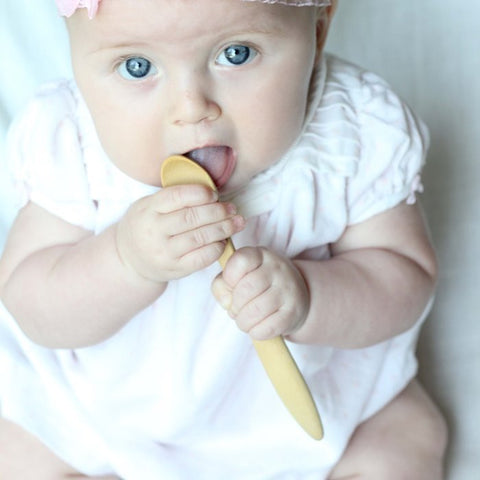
(68, 7)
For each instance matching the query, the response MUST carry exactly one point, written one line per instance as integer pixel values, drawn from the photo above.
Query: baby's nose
(192, 103)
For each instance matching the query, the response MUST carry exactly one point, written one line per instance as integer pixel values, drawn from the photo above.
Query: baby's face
(223, 81)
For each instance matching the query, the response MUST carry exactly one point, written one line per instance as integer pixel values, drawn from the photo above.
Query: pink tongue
(215, 160)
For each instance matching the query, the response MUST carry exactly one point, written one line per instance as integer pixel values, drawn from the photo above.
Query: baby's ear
(324, 18)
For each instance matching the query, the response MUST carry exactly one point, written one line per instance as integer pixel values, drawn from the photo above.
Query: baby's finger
(201, 257)
(272, 326)
(190, 241)
(174, 198)
(222, 292)
(250, 287)
(242, 262)
(261, 315)
(191, 218)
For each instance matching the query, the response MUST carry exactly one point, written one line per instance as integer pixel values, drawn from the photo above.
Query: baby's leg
(22, 456)
(406, 440)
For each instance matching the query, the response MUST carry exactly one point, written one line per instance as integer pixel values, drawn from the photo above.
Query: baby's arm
(378, 282)
(69, 288)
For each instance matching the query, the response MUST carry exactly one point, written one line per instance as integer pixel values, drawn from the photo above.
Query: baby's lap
(24, 456)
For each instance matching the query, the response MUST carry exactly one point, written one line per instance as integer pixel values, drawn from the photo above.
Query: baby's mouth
(218, 161)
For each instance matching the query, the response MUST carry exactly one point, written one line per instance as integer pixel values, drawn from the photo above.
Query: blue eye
(136, 68)
(236, 55)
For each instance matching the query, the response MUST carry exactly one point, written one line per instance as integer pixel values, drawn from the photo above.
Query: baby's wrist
(131, 272)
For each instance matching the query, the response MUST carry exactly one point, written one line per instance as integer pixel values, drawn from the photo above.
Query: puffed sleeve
(393, 144)
(45, 159)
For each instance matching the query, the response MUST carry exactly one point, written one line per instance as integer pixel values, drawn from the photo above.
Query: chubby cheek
(131, 144)
(275, 123)
(127, 130)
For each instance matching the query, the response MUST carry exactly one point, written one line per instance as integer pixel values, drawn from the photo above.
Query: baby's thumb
(222, 292)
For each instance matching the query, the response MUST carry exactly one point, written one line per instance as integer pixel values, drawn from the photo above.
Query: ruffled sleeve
(392, 150)
(360, 153)
(45, 158)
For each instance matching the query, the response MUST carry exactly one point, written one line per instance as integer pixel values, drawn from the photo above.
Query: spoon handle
(274, 354)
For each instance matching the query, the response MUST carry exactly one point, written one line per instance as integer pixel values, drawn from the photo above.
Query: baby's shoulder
(357, 83)
(53, 99)
(367, 103)
(44, 119)
(52, 108)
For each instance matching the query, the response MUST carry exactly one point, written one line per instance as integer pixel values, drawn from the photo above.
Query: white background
(429, 50)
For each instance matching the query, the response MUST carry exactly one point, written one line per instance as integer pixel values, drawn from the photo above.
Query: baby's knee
(418, 436)
(424, 419)
(406, 439)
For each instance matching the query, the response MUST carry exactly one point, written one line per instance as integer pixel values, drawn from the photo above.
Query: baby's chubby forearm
(71, 296)
(80, 291)
(362, 298)
(377, 283)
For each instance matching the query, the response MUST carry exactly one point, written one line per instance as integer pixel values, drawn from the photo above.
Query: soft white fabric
(178, 393)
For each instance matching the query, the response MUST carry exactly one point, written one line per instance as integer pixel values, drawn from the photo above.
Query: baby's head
(224, 81)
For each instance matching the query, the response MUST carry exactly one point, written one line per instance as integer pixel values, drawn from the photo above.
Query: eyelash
(121, 67)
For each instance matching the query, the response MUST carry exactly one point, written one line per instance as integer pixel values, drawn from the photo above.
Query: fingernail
(239, 221)
(231, 209)
(225, 301)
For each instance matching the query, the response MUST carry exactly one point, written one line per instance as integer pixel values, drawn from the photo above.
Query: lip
(218, 160)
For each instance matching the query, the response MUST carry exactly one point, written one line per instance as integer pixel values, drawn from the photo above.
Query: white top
(179, 393)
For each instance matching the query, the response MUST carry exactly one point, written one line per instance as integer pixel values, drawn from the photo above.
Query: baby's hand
(265, 293)
(175, 232)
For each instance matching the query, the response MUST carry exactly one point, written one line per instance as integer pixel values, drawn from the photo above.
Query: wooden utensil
(273, 353)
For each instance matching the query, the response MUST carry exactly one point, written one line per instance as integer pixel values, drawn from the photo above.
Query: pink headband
(68, 7)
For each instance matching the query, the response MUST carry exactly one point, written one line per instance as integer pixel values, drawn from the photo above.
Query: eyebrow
(250, 31)
(139, 40)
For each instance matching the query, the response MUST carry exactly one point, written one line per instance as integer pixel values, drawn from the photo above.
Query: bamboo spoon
(274, 354)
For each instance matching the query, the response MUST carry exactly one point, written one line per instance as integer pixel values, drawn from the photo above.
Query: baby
(118, 359)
